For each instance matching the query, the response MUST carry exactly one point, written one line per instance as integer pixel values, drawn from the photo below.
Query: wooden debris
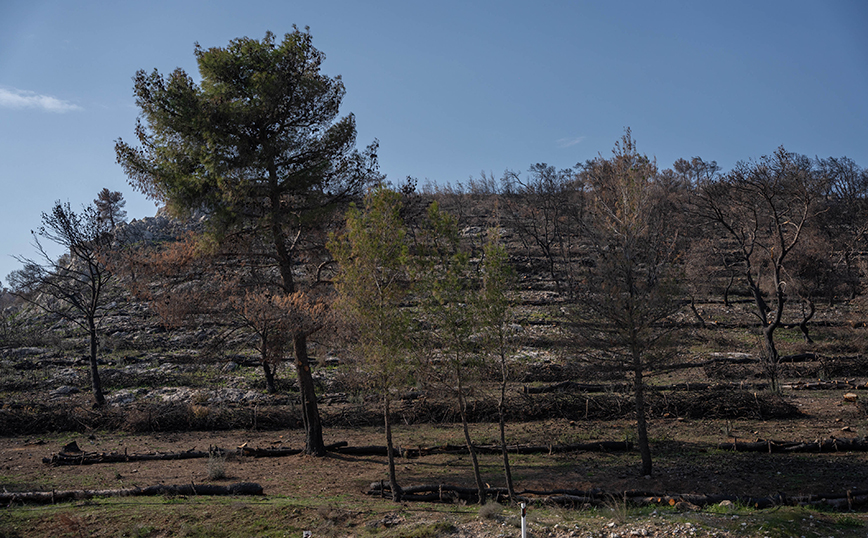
(849, 500)
(65, 457)
(825, 445)
(51, 497)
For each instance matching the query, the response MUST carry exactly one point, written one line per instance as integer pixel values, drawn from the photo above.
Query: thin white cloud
(567, 142)
(12, 98)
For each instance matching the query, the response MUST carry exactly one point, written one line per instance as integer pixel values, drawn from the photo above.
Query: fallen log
(564, 386)
(52, 497)
(598, 446)
(567, 386)
(72, 455)
(850, 500)
(280, 452)
(92, 458)
(825, 385)
(826, 445)
(69, 456)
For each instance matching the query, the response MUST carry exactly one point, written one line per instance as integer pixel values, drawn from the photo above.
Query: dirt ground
(685, 456)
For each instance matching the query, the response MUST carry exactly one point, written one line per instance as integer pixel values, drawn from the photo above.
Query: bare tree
(764, 207)
(811, 274)
(72, 285)
(545, 210)
(845, 224)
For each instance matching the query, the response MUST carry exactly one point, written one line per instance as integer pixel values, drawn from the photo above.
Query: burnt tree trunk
(501, 415)
(806, 317)
(313, 443)
(387, 423)
(641, 423)
(462, 408)
(95, 382)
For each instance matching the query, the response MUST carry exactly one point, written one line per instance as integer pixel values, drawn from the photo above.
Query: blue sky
(450, 88)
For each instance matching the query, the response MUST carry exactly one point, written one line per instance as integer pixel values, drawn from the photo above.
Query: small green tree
(372, 284)
(494, 309)
(446, 283)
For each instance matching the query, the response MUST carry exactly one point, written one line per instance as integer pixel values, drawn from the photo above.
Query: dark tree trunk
(770, 357)
(462, 408)
(501, 415)
(268, 370)
(313, 443)
(806, 317)
(95, 383)
(727, 289)
(266, 367)
(641, 423)
(696, 312)
(393, 479)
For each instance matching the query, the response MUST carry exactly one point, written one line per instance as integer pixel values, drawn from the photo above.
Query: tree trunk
(266, 367)
(268, 370)
(726, 290)
(462, 408)
(696, 312)
(387, 423)
(501, 412)
(806, 317)
(641, 424)
(770, 357)
(313, 443)
(95, 383)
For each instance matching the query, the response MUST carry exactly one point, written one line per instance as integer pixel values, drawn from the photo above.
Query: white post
(523, 520)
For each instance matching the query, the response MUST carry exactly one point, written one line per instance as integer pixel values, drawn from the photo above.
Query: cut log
(51, 497)
(598, 446)
(850, 500)
(825, 385)
(67, 457)
(571, 386)
(826, 445)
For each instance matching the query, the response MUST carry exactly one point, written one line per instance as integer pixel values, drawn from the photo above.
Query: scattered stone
(63, 390)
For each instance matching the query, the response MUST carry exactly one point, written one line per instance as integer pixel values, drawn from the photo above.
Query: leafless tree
(74, 284)
(545, 211)
(764, 208)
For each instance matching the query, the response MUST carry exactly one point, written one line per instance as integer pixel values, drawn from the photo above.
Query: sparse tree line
(304, 237)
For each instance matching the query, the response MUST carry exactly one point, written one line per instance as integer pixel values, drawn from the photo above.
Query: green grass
(272, 517)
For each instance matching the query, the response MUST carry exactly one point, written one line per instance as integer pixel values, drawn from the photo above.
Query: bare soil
(686, 457)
